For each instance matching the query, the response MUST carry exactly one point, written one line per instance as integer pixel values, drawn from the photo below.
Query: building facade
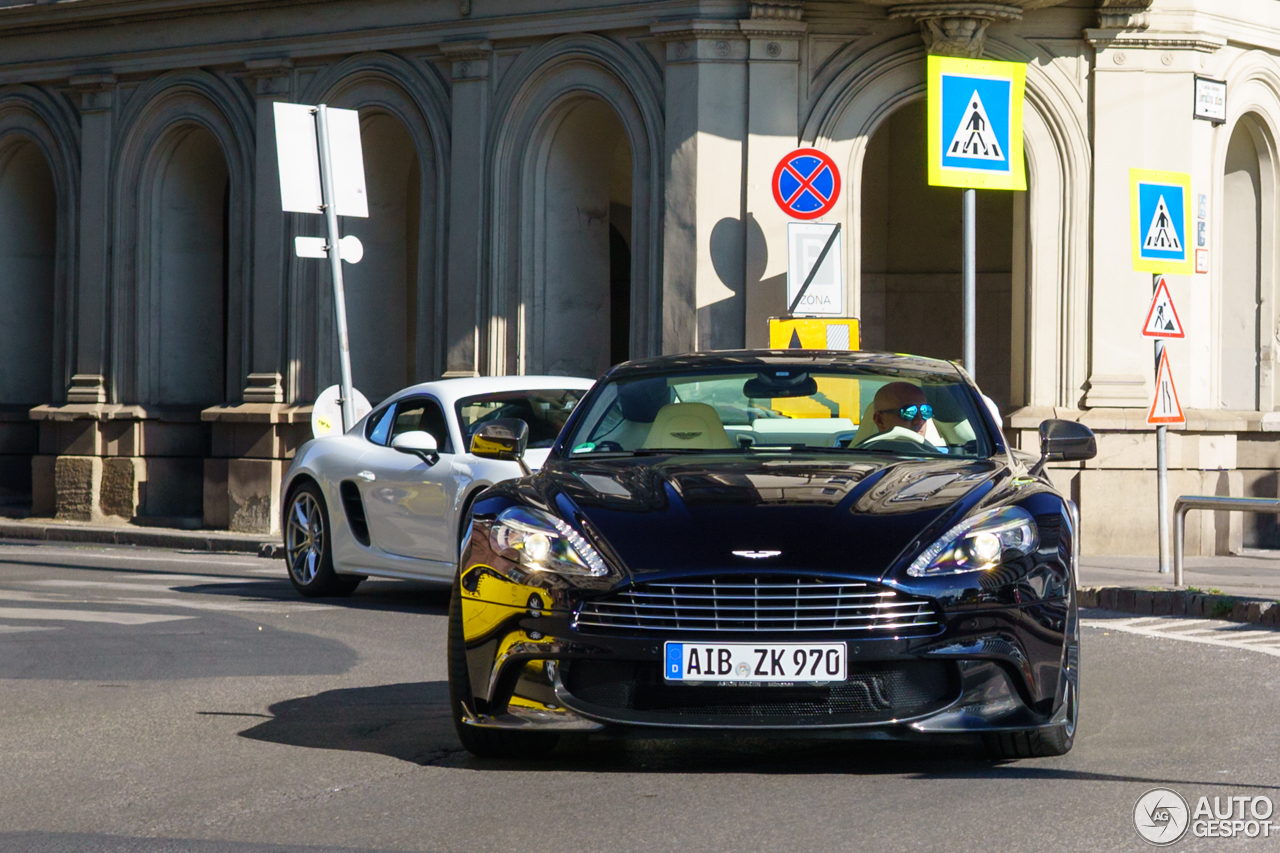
(559, 185)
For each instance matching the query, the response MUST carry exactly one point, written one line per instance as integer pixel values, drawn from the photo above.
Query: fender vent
(353, 507)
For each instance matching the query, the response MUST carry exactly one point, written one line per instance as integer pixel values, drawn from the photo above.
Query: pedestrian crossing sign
(1160, 220)
(975, 123)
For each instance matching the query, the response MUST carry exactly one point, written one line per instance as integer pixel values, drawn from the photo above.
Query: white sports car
(387, 497)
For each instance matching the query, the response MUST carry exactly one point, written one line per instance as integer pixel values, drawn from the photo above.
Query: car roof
(873, 362)
(448, 391)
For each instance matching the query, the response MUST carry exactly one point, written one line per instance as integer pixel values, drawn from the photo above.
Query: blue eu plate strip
(675, 660)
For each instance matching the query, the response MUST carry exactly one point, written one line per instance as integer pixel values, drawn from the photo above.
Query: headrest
(641, 400)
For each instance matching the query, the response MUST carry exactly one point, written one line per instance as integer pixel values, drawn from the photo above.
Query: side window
(379, 428)
(425, 414)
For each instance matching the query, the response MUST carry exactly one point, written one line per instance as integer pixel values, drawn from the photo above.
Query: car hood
(675, 514)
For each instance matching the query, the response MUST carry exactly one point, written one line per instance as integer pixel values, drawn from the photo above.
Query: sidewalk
(1244, 588)
(49, 530)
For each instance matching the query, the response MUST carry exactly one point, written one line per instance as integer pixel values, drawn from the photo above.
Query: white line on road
(22, 629)
(1164, 628)
(107, 616)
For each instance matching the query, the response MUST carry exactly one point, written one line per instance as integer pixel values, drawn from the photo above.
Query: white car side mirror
(419, 443)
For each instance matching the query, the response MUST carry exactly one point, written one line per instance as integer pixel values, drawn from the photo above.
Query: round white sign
(326, 414)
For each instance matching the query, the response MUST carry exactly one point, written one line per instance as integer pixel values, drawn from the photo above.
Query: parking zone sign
(1160, 221)
(975, 123)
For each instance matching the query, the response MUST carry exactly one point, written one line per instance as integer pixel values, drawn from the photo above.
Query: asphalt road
(160, 701)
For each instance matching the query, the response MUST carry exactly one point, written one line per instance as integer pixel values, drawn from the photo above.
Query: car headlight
(979, 543)
(542, 542)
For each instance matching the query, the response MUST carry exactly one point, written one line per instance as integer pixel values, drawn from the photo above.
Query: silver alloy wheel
(305, 543)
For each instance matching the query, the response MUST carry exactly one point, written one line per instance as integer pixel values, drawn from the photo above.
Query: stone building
(557, 185)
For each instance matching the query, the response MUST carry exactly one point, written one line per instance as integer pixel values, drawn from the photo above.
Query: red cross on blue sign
(806, 183)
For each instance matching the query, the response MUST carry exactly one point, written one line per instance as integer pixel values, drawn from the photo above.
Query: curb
(1182, 602)
(186, 540)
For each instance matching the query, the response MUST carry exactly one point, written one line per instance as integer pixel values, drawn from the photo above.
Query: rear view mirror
(418, 442)
(1065, 441)
(504, 438)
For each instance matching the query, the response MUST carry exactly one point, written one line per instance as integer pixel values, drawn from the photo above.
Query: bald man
(889, 406)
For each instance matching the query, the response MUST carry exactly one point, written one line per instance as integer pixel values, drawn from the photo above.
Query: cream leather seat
(688, 425)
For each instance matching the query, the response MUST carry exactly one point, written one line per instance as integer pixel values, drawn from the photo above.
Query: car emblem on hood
(757, 555)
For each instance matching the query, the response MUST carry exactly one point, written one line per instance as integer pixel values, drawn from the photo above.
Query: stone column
(704, 250)
(775, 34)
(466, 327)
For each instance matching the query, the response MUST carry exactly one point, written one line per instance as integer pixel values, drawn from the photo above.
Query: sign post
(322, 171)
(975, 142)
(1160, 226)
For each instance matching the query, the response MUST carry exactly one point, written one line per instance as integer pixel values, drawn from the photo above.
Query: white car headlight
(979, 543)
(542, 542)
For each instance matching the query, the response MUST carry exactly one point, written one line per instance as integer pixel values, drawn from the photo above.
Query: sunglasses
(908, 413)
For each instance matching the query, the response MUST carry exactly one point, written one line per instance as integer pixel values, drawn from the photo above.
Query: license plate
(755, 663)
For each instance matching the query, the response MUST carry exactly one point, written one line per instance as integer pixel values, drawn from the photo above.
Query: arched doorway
(911, 257)
(28, 245)
(189, 264)
(578, 309)
(1240, 300)
(382, 290)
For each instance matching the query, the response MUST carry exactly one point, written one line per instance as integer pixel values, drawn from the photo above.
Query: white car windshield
(784, 407)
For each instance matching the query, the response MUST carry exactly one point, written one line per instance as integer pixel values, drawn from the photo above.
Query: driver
(900, 412)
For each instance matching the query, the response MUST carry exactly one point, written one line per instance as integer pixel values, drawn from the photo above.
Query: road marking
(1224, 634)
(166, 583)
(22, 629)
(107, 616)
(7, 552)
(188, 604)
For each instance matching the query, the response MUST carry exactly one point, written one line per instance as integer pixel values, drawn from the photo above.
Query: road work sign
(806, 183)
(807, 246)
(839, 333)
(975, 123)
(1165, 408)
(1160, 221)
(1162, 319)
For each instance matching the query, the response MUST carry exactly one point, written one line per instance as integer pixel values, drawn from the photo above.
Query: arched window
(1240, 298)
(28, 241)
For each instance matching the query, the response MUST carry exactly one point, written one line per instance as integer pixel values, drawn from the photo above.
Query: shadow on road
(412, 722)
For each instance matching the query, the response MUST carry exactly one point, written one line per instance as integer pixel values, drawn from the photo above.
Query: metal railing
(1186, 503)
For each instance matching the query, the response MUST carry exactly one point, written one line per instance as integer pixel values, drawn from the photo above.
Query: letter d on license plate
(755, 663)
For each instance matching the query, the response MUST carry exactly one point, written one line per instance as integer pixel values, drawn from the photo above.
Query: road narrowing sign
(1160, 221)
(1165, 408)
(806, 183)
(1162, 319)
(975, 123)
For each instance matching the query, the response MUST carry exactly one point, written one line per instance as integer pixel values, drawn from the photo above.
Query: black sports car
(794, 542)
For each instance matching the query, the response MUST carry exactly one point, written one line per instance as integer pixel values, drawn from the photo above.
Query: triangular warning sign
(1162, 236)
(1162, 319)
(974, 138)
(795, 340)
(1165, 408)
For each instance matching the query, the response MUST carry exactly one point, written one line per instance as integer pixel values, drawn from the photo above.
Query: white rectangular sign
(1211, 100)
(297, 154)
(825, 296)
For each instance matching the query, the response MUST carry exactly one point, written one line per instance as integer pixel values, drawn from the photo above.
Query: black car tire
(308, 547)
(1039, 743)
(485, 743)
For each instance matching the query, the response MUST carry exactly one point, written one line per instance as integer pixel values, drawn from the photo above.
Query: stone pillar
(466, 326)
(775, 33)
(704, 246)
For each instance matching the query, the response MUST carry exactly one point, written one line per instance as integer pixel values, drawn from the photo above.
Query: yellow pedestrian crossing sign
(1160, 220)
(975, 123)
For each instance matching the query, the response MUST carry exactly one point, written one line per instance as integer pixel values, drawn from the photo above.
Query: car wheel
(308, 547)
(485, 743)
(1040, 743)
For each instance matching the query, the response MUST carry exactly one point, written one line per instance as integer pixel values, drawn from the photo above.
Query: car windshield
(544, 411)
(780, 407)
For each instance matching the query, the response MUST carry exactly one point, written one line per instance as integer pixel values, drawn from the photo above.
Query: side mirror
(505, 439)
(1064, 441)
(418, 442)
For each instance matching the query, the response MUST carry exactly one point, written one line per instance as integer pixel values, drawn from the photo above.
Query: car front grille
(751, 605)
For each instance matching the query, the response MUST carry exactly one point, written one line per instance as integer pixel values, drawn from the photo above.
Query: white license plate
(755, 663)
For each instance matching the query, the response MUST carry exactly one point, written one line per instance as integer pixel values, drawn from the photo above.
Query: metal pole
(335, 266)
(970, 281)
(1162, 465)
